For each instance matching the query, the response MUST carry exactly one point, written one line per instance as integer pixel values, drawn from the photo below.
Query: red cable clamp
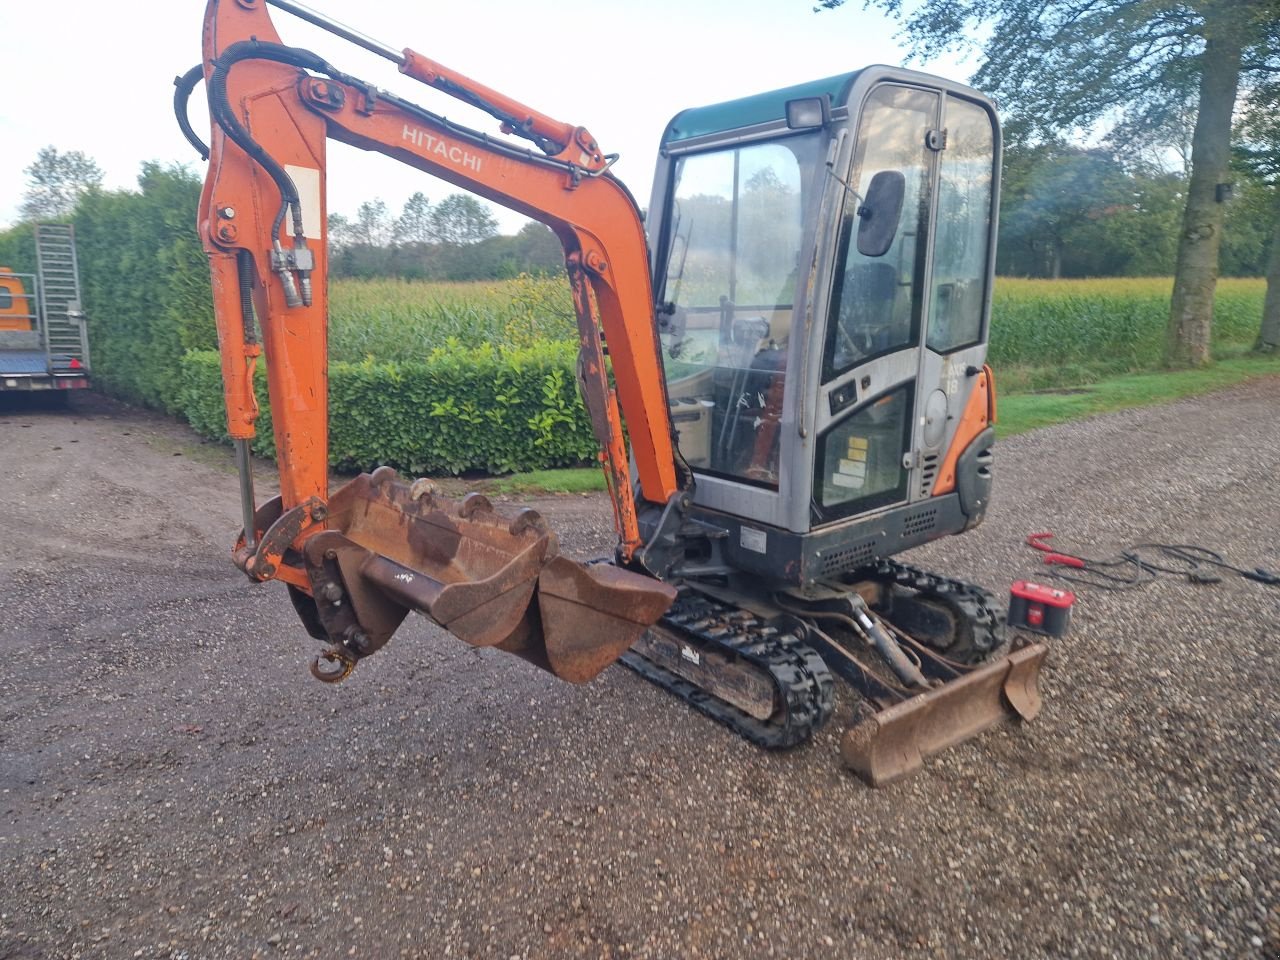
(1052, 557)
(1037, 540)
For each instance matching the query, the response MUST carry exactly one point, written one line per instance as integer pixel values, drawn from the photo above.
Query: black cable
(1193, 556)
(181, 95)
(1131, 568)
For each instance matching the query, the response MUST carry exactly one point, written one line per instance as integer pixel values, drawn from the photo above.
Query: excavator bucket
(489, 579)
(894, 742)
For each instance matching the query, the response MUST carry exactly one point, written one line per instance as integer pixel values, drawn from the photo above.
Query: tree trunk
(1269, 335)
(1196, 273)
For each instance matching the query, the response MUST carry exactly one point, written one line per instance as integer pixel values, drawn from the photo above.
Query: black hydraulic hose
(183, 86)
(221, 112)
(225, 116)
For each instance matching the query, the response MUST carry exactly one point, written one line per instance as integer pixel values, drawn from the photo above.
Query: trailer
(44, 343)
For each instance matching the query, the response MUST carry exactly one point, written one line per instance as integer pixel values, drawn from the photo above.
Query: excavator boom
(358, 560)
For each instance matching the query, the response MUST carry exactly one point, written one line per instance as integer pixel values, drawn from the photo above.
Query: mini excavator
(797, 346)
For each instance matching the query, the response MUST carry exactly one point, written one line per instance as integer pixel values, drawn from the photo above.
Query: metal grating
(922, 521)
(833, 561)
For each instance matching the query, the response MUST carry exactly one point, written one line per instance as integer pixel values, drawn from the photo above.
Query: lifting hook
(342, 663)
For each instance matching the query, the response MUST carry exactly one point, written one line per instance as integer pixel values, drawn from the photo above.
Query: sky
(98, 77)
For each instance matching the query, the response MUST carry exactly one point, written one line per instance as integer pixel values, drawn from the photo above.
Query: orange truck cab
(17, 311)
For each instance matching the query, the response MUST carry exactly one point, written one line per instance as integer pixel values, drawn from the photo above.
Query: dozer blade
(893, 743)
(491, 580)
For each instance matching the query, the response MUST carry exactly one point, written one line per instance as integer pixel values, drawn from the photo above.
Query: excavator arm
(358, 560)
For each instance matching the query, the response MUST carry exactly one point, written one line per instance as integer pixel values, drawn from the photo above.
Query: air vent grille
(833, 561)
(928, 473)
(922, 521)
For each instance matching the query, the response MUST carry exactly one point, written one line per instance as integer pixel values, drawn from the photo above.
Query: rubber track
(975, 603)
(804, 684)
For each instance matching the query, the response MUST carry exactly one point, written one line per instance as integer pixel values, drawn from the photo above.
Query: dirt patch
(174, 784)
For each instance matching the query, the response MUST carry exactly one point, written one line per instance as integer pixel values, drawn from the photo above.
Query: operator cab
(822, 270)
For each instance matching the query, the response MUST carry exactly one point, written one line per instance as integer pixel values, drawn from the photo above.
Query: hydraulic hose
(223, 114)
(183, 86)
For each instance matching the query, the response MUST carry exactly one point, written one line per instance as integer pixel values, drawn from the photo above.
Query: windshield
(735, 225)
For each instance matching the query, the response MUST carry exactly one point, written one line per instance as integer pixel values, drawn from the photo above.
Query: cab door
(871, 364)
(957, 309)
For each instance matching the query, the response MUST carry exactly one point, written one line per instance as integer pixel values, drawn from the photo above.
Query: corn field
(1106, 325)
(406, 320)
(1070, 330)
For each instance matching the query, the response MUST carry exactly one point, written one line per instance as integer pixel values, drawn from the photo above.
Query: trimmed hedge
(146, 284)
(460, 409)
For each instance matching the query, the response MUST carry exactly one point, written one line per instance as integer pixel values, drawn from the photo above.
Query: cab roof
(749, 111)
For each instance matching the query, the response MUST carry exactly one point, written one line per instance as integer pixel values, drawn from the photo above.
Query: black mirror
(879, 213)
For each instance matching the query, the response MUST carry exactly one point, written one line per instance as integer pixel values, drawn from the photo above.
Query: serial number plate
(754, 540)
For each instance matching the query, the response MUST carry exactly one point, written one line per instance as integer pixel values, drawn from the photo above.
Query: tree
(372, 226)
(339, 230)
(414, 223)
(1072, 211)
(461, 219)
(1251, 213)
(1060, 64)
(56, 182)
(1259, 155)
(1052, 192)
(537, 249)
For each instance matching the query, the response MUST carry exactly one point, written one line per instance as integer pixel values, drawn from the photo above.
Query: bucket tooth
(894, 742)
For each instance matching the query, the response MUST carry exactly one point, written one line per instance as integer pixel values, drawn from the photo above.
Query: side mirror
(880, 212)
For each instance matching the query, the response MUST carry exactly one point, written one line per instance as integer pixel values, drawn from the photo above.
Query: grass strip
(1021, 412)
(564, 480)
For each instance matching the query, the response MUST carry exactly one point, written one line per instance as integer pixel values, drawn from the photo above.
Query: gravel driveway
(173, 784)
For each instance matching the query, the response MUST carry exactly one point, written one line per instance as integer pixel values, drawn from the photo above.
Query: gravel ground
(173, 784)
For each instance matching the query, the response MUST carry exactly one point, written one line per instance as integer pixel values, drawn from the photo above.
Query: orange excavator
(796, 344)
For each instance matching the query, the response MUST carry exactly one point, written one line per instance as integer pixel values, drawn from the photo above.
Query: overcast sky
(98, 77)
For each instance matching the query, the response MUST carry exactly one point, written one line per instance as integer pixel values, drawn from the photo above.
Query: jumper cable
(1130, 568)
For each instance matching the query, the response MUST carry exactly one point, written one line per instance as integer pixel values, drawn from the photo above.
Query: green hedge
(458, 410)
(146, 284)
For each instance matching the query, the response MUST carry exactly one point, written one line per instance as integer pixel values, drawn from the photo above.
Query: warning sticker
(851, 470)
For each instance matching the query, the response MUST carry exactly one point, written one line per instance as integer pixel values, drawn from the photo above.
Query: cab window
(875, 307)
(735, 228)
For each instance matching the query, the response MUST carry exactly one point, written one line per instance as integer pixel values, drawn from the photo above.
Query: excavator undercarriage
(797, 345)
(765, 668)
